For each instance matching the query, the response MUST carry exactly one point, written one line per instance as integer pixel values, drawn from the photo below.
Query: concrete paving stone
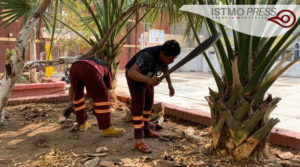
(192, 87)
(286, 111)
(291, 124)
(280, 117)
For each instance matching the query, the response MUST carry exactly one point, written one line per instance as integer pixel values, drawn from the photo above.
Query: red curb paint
(285, 138)
(277, 136)
(49, 87)
(195, 116)
(55, 98)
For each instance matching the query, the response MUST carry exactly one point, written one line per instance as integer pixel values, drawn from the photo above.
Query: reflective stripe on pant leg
(80, 110)
(138, 122)
(137, 92)
(146, 118)
(102, 112)
(102, 107)
(138, 126)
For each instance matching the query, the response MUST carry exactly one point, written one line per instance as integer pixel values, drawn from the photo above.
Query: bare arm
(135, 74)
(168, 78)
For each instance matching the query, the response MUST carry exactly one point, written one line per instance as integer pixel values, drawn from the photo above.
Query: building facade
(8, 38)
(132, 44)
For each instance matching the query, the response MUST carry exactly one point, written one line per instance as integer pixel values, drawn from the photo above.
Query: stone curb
(56, 98)
(46, 87)
(277, 136)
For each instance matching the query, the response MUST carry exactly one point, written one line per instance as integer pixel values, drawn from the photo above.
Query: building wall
(9, 42)
(199, 64)
(129, 49)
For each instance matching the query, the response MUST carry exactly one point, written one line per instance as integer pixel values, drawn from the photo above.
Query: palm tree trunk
(239, 128)
(113, 67)
(14, 68)
(33, 56)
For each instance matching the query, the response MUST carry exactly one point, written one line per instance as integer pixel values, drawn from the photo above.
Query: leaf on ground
(285, 155)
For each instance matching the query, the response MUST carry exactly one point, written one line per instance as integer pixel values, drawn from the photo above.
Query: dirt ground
(37, 135)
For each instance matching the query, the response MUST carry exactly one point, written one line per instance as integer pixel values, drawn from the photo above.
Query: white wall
(193, 65)
(199, 64)
(214, 61)
(293, 71)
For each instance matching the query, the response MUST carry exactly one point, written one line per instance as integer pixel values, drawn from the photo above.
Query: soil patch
(37, 135)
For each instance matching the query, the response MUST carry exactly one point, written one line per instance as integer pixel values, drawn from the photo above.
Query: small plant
(23, 78)
(9, 54)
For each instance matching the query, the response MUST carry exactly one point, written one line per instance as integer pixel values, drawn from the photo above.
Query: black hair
(171, 48)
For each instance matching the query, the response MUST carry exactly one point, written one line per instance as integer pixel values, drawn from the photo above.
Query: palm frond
(11, 10)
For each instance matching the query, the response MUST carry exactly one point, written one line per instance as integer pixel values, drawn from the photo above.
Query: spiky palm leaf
(21, 10)
(11, 10)
(239, 109)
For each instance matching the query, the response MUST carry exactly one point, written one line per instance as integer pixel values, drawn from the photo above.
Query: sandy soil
(35, 135)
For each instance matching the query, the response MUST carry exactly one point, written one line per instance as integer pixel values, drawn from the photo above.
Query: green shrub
(9, 54)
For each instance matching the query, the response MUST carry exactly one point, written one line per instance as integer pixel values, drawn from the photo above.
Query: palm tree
(240, 108)
(103, 22)
(97, 19)
(98, 16)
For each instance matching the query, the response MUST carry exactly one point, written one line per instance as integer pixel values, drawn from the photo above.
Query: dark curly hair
(171, 48)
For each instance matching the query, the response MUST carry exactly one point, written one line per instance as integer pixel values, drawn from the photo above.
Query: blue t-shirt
(96, 61)
(148, 61)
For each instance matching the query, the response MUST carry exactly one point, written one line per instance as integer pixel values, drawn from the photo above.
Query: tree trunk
(113, 68)
(14, 68)
(114, 73)
(238, 127)
(32, 72)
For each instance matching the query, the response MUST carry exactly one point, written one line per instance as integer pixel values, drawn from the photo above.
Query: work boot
(84, 126)
(112, 131)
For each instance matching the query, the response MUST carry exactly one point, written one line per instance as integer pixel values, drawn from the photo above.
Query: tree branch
(98, 47)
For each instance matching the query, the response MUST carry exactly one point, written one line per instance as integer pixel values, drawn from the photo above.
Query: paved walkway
(192, 87)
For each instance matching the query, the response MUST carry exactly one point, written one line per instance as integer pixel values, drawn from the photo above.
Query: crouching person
(95, 77)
